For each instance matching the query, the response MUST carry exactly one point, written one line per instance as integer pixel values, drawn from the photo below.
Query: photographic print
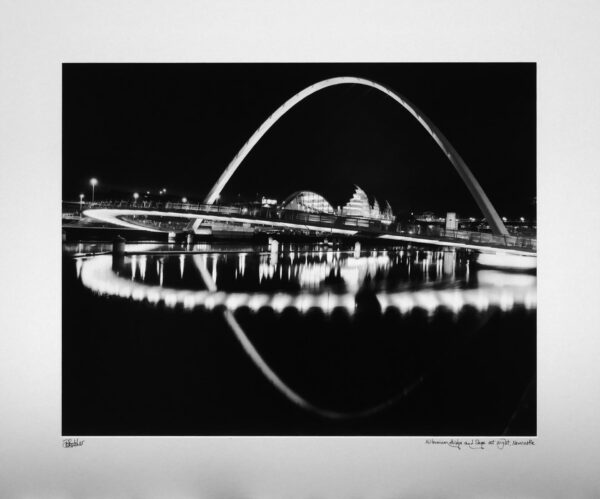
(299, 249)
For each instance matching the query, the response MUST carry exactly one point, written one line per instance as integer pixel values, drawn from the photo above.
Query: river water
(292, 339)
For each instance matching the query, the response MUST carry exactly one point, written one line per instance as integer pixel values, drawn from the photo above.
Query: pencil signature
(72, 442)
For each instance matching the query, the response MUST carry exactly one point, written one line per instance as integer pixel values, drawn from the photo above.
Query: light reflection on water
(228, 278)
(303, 277)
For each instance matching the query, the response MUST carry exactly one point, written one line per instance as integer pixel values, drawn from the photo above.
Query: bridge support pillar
(357, 249)
(118, 253)
(118, 247)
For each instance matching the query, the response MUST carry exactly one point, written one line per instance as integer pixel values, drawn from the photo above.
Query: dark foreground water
(298, 340)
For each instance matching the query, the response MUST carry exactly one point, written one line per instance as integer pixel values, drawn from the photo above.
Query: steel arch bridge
(459, 164)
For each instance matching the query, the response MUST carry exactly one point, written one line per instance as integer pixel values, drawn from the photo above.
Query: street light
(504, 219)
(94, 182)
(135, 196)
(184, 200)
(81, 196)
(522, 219)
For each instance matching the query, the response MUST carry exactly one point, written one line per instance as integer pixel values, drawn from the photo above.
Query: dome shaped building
(308, 201)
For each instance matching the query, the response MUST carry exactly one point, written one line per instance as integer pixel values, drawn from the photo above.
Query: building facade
(358, 206)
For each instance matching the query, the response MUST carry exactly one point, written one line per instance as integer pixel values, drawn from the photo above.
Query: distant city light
(504, 219)
(522, 219)
(184, 200)
(268, 202)
(135, 195)
(94, 183)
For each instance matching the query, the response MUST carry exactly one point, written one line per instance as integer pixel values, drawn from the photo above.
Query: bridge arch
(461, 167)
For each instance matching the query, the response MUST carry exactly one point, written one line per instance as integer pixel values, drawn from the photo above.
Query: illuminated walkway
(122, 213)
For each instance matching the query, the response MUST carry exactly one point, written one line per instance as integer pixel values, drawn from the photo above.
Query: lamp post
(93, 182)
(135, 197)
(81, 196)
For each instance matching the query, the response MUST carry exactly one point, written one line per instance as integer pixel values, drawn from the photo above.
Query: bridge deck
(118, 213)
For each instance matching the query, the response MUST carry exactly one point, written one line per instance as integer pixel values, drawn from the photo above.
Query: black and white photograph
(299, 249)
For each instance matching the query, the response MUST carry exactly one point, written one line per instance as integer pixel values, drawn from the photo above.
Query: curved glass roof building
(308, 201)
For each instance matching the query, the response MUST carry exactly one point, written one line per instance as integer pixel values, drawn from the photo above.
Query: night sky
(140, 127)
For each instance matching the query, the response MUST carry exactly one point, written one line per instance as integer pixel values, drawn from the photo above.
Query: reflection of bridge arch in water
(98, 275)
(461, 167)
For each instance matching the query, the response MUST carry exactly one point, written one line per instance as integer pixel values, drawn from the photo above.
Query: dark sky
(139, 127)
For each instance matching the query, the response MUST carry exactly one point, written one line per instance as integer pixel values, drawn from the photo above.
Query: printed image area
(299, 249)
